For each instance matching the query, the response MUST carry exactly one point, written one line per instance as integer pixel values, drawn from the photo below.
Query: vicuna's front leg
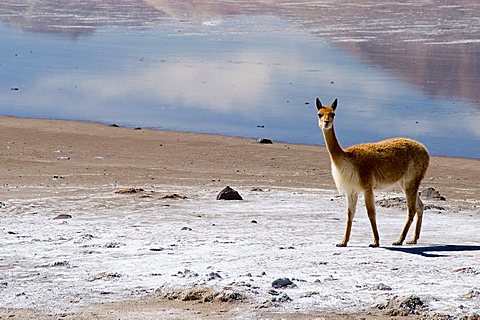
(370, 204)
(352, 205)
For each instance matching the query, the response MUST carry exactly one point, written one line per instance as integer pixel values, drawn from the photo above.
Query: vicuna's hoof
(341, 245)
(397, 243)
(374, 245)
(412, 242)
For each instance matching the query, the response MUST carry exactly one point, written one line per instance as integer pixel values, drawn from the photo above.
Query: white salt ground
(125, 246)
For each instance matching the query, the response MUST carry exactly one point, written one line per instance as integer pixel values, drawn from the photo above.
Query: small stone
(213, 276)
(186, 229)
(283, 298)
(273, 292)
(229, 194)
(112, 244)
(254, 221)
(114, 125)
(283, 283)
(62, 216)
(264, 141)
(129, 191)
(431, 193)
(381, 287)
(174, 196)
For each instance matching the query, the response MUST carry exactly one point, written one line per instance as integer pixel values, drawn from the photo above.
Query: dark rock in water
(62, 216)
(283, 283)
(264, 141)
(229, 194)
(431, 193)
(114, 125)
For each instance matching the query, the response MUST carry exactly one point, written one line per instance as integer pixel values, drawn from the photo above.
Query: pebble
(62, 216)
(283, 283)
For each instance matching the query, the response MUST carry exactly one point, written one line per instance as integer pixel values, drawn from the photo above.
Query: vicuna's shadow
(428, 251)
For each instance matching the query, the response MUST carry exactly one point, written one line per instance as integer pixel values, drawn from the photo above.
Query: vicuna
(365, 167)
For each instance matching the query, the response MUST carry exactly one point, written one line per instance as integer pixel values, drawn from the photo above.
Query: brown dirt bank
(44, 154)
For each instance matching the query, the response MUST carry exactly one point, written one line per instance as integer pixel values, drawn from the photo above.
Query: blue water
(248, 76)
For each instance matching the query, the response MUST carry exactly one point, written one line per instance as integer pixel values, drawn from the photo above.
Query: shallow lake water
(250, 68)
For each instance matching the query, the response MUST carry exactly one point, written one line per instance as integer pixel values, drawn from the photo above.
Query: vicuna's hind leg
(418, 225)
(352, 205)
(411, 194)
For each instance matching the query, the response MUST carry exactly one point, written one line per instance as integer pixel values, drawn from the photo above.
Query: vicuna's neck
(336, 152)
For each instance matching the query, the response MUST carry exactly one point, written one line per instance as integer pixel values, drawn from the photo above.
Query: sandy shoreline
(35, 151)
(52, 165)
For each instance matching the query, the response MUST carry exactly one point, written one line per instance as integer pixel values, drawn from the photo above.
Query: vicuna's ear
(334, 104)
(319, 104)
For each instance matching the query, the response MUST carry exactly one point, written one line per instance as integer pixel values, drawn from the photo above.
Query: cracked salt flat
(122, 246)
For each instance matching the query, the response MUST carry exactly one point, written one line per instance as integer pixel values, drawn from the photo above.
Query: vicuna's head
(326, 114)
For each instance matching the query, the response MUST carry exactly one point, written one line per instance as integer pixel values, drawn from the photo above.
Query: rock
(229, 194)
(431, 193)
(200, 294)
(186, 229)
(3, 205)
(283, 283)
(283, 298)
(470, 270)
(396, 202)
(63, 216)
(254, 221)
(273, 292)
(112, 244)
(173, 196)
(472, 294)
(129, 191)
(404, 306)
(213, 276)
(114, 125)
(264, 141)
(63, 158)
(309, 294)
(380, 286)
(104, 276)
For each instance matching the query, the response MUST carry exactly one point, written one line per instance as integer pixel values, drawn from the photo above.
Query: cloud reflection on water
(228, 75)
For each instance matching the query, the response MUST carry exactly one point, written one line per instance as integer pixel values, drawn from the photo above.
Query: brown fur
(365, 167)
